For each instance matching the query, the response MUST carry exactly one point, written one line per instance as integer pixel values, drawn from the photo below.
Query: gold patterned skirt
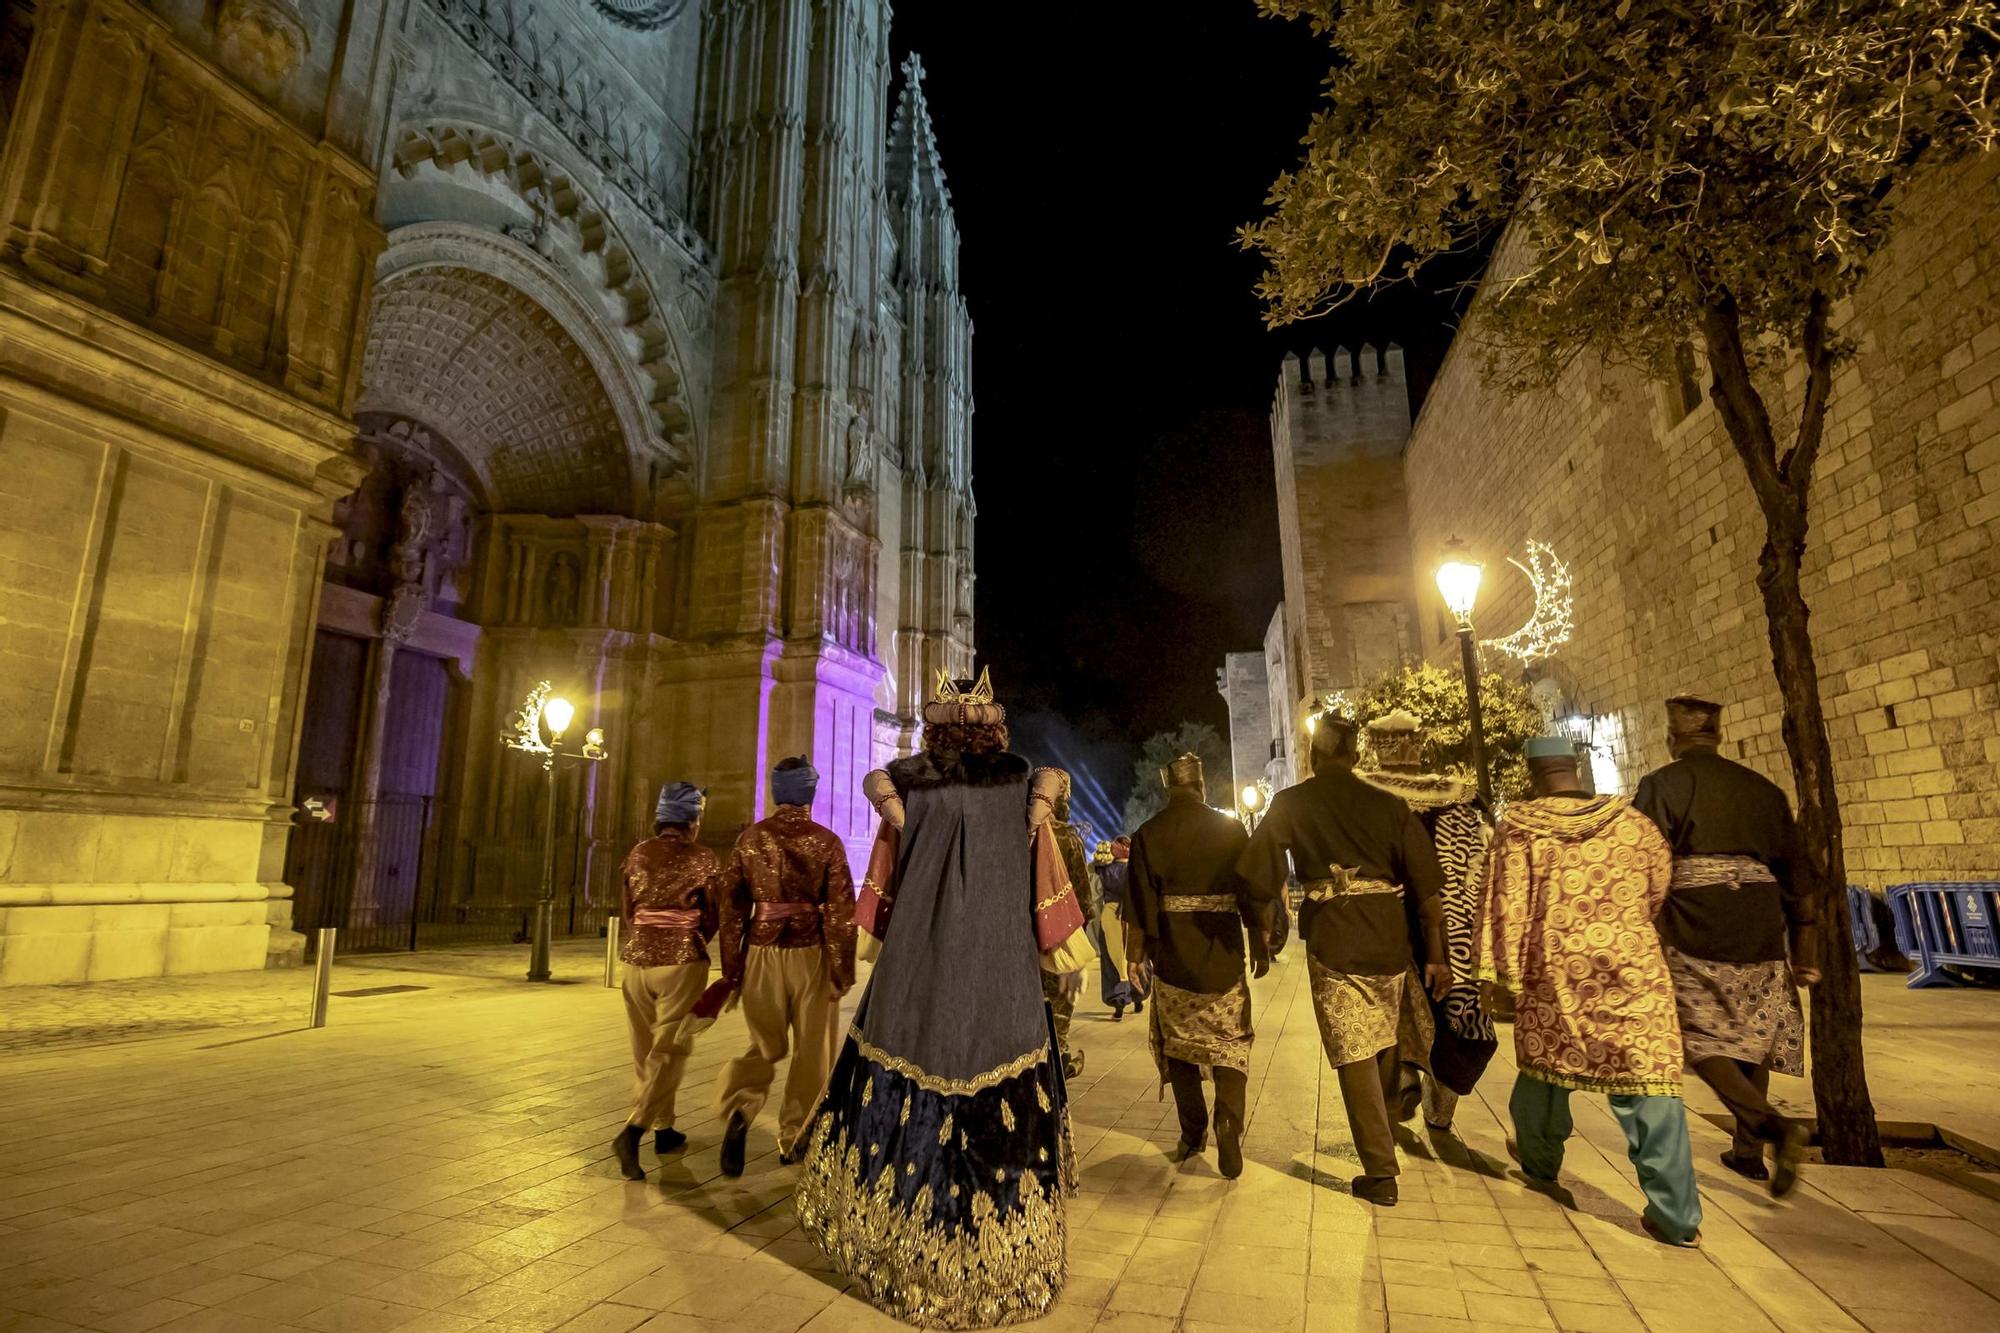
(1361, 1015)
(942, 1199)
(1740, 1011)
(1200, 1028)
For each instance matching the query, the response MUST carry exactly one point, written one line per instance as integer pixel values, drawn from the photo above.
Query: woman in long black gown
(937, 1164)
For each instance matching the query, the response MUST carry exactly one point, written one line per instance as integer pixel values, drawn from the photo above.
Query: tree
(1669, 170)
(1149, 794)
(1436, 697)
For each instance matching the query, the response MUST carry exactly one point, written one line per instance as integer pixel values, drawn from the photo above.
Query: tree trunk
(1848, 1132)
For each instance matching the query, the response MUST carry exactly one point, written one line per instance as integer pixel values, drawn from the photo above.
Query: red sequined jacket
(787, 884)
(669, 904)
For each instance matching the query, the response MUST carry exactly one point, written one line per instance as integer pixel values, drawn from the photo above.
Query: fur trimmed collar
(967, 770)
(1568, 818)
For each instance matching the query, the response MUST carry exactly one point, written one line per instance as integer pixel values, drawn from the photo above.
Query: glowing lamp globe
(557, 712)
(1458, 580)
(1252, 798)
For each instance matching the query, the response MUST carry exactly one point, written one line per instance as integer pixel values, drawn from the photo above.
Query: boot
(1118, 1013)
(735, 1140)
(1184, 1150)
(1378, 1190)
(1229, 1147)
(1073, 1064)
(626, 1148)
(1792, 1145)
(668, 1141)
(1750, 1168)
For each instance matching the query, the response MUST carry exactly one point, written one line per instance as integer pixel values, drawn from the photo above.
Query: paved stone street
(435, 1159)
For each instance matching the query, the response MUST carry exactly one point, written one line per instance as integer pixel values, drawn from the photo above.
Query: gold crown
(949, 693)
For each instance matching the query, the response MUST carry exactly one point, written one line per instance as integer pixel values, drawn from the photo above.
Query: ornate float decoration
(1548, 628)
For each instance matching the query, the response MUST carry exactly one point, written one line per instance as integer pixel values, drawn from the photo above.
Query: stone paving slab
(438, 1160)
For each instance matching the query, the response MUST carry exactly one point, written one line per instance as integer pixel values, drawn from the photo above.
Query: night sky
(1128, 532)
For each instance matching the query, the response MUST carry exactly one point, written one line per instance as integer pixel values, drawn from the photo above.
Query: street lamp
(1458, 583)
(543, 712)
(1252, 801)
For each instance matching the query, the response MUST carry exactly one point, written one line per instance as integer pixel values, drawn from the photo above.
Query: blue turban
(795, 786)
(679, 803)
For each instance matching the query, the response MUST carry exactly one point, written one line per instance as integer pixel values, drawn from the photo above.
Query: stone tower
(1338, 426)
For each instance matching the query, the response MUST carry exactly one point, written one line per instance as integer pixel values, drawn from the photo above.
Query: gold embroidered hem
(949, 1087)
(1343, 883)
(1199, 902)
(1361, 1015)
(1003, 1265)
(1700, 872)
(1202, 1028)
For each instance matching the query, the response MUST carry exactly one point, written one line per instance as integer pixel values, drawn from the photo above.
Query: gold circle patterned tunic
(1575, 883)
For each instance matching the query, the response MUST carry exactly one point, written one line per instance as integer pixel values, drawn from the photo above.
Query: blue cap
(679, 803)
(795, 786)
(1549, 747)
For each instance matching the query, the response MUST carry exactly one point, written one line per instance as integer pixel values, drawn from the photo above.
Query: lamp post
(1251, 803)
(538, 729)
(1458, 582)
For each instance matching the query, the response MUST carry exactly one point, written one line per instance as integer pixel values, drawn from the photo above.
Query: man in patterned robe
(1574, 883)
(669, 913)
(1366, 865)
(1187, 913)
(1450, 809)
(787, 902)
(1740, 936)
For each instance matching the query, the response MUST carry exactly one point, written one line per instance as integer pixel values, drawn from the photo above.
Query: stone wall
(1636, 485)
(1246, 688)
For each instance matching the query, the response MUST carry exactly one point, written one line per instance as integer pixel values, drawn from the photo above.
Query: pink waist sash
(783, 911)
(670, 918)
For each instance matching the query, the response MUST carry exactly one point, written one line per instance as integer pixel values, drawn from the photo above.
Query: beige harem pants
(656, 1000)
(787, 1002)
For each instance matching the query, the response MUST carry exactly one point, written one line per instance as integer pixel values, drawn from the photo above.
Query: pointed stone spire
(914, 167)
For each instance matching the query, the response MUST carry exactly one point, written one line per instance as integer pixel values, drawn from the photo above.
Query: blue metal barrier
(1949, 924)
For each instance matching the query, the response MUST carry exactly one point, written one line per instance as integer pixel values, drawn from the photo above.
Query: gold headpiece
(953, 701)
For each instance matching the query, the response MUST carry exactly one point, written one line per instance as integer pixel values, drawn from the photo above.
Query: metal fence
(378, 873)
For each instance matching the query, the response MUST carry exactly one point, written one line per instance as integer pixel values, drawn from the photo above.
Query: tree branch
(1736, 398)
(1797, 468)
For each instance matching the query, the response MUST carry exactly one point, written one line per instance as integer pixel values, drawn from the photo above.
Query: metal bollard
(611, 924)
(322, 975)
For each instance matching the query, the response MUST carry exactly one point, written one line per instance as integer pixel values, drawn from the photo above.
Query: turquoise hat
(1549, 747)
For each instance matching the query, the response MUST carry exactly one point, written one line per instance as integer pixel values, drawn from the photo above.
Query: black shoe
(1118, 1013)
(1378, 1190)
(735, 1139)
(789, 1158)
(1750, 1168)
(1184, 1150)
(668, 1141)
(1138, 1006)
(1409, 1101)
(1792, 1146)
(1073, 1065)
(626, 1148)
(1229, 1149)
(1652, 1229)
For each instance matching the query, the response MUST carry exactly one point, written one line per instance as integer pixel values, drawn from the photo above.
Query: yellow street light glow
(1458, 580)
(1252, 798)
(557, 713)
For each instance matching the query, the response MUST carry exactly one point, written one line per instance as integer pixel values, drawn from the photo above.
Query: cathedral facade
(365, 363)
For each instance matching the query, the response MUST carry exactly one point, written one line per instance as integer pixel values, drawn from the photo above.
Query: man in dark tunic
(1739, 935)
(1188, 912)
(1361, 854)
(1061, 991)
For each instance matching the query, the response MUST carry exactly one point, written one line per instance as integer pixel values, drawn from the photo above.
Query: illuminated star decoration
(1549, 627)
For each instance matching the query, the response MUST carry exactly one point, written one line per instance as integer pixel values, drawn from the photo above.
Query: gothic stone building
(364, 363)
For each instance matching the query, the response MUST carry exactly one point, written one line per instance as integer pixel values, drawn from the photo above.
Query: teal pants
(1656, 1136)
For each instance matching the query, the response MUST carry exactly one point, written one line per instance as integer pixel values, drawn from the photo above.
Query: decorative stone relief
(644, 15)
(261, 41)
(503, 380)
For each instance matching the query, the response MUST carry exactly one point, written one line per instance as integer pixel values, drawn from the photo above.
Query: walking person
(1575, 884)
(1740, 935)
(938, 1166)
(787, 927)
(1189, 915)
(1114, 969)
(1058, 990)
(1452, 813)
(1367, 868)
(669, 912)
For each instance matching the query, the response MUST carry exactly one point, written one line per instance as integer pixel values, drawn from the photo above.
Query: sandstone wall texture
(1247, 689)
(1637, 487)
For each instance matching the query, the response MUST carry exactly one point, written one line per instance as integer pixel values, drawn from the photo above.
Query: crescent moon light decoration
(1548, 628)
